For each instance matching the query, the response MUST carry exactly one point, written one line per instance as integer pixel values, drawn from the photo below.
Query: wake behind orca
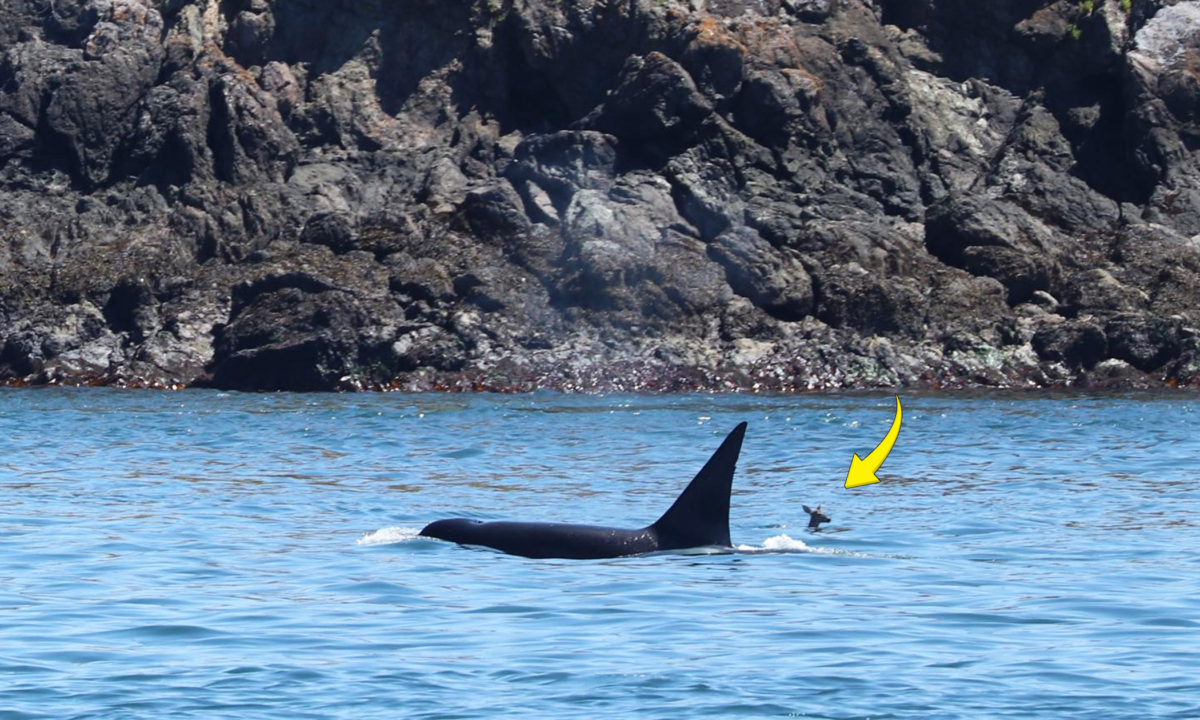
(699, 518)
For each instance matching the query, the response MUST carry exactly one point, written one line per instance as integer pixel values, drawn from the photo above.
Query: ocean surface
(208, 555)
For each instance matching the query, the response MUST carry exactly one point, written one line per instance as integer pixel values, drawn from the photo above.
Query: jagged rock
(495, 213)
(1164, 100)
(1045, 300)
(428, 347)
(89, 112)
(810, 10)
(331, 229)
(1186, 370)
(788, 194)
(854, 298)
(1019, 273)
(15, 137)
(1078, 344)
(289, 339)
(278, 79)
(422, 279)
(963, 221)
(249, 34)
(655, 99)
(1097, 290)
(773, 280)
(246, 134)
(1144, 341)
(567, 161)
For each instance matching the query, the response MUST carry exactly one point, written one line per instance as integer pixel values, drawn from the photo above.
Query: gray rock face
(778, 194)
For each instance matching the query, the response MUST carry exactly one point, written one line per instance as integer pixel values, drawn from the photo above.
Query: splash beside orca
(699, 518)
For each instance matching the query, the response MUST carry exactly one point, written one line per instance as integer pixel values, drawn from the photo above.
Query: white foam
(389, 535)
(778, 543)
(786, 543)
(789, 544)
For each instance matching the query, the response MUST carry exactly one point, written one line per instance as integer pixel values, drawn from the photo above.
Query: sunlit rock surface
(587, 195)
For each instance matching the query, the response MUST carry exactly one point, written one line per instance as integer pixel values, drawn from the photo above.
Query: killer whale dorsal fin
(700, 515)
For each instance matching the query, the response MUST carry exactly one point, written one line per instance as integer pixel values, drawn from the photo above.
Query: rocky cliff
(616, 194)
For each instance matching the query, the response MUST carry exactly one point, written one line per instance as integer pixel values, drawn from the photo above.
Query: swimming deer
(815, 517)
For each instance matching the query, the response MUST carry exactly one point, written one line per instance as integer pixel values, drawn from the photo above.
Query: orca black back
(698, 518)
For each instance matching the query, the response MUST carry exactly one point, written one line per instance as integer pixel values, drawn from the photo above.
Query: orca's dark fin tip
(700, 515)
(736, 434)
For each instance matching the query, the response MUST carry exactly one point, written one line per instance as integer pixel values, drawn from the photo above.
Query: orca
(699, 518)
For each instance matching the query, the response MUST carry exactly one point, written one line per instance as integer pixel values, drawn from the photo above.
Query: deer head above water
(815, 517)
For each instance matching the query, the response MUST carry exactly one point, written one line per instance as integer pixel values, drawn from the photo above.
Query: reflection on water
(203, 554)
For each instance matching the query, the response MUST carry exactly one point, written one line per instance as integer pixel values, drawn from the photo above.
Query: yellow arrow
(862, 471)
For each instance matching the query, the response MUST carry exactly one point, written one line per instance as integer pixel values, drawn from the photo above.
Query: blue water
(207, 555)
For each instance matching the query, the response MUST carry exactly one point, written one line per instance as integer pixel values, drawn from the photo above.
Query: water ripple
(201, 554)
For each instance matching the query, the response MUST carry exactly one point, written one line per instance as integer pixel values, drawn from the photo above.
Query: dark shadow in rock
(1095, 125)
(1077, 344)
(521, 97)
(126, 304)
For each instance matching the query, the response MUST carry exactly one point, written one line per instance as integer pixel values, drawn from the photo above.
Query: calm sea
(208, 555)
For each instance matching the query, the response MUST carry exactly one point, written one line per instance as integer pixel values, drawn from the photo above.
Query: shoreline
(661, 383)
